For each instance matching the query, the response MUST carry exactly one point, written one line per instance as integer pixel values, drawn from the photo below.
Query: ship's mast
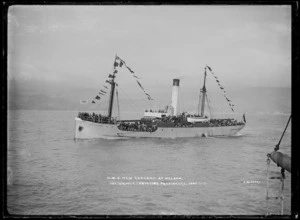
(199, 103)
(203, 95)
(112, 91)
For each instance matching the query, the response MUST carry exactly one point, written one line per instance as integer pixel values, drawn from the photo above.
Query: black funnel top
(175, 82)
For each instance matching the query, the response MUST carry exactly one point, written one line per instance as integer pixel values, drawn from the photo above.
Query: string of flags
(117, 63)
(222, 88)
(102, 92)
(104, 88)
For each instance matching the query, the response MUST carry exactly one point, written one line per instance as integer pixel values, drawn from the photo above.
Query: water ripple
(50, 173)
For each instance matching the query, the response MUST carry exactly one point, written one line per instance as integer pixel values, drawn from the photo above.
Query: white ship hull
(88, 130)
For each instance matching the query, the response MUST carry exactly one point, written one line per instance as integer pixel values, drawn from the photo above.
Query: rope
(133, 75)
(118, 103)
(210, 115)
(130, 103)
(277, 146)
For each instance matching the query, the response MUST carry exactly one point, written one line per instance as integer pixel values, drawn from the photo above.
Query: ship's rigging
(119, 63)
(222, 88)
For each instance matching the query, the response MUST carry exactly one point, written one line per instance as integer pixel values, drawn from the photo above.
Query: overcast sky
(244, 45)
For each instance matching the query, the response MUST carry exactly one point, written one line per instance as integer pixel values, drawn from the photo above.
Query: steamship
(166, 123)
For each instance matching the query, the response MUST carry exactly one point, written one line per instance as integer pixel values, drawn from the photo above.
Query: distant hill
(41, 95)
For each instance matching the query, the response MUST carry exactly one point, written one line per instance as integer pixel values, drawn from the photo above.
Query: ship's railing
(196, 115)
(156, 111)
(97, 118)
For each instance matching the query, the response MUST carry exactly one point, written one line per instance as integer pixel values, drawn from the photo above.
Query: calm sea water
(51, 173)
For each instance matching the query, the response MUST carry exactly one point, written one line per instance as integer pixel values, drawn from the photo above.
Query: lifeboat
(195, 119)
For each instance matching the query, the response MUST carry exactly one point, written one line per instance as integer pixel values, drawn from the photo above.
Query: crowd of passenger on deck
(137, 126)
(224, 122)
(172, 121)
(181, 122)
(98, 118)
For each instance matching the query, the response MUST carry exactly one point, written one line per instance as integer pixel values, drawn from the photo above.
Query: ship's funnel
(175, 91)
